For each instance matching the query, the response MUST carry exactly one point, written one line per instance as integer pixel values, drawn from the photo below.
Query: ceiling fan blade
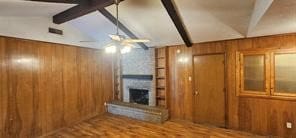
(87, 41)
(128, 44)
(115, 37)
(136, 40)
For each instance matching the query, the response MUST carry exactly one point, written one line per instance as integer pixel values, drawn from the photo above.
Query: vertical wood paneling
(44, 83)
(55, 97)
(98, 81)
(85, 82)
(46, 86)
(232, 99)
(3, 86)
(91, 72)
(178, 81)
(12, 122)
(25, 92)
(71, 85)
(106, 73)
(262, 116)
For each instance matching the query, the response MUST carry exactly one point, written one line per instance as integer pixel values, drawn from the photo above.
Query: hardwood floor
(117, 126)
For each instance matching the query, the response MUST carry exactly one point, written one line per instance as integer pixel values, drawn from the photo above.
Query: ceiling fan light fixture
(125, 50)
(120, 42)
(111, 49)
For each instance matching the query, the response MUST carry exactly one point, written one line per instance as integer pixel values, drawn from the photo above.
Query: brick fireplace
(138, 73)
(140, 85)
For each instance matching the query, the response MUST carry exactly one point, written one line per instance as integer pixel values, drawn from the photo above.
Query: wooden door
(209, 90)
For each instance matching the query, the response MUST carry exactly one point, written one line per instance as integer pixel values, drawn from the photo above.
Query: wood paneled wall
(46, 86)
(261, 116)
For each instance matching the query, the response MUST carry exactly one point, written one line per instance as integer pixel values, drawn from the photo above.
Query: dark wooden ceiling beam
(111, 18)
(171, 9)
(80, 10)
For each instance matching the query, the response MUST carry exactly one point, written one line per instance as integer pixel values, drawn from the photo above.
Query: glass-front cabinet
(284, 73)
(266, 73)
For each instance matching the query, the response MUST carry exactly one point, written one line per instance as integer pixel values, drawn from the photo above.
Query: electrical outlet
(289, 125)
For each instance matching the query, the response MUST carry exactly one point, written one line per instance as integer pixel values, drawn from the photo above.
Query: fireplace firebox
(139, 96)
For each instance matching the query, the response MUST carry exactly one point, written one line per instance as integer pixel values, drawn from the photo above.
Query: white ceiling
(210, 20)
(148, 19)
(96, 26)
(28, 8)
(205, 20)
(279, 18)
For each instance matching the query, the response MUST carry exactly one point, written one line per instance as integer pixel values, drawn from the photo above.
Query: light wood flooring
(117, 126)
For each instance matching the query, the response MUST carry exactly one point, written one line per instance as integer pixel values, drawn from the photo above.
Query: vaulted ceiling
(204, 20)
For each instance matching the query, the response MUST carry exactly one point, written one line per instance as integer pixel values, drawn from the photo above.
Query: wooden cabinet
(253, 73)
(267, 73)
(283, 70)
(161, 72)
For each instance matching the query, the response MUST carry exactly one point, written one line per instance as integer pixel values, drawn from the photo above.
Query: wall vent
(55, 31)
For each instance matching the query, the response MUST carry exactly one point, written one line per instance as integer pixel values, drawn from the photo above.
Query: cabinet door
(254, 73)
(283, 73)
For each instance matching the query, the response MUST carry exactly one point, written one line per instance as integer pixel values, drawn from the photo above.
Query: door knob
(196, 92)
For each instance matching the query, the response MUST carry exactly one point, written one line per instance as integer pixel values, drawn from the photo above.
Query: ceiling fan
(120, 41)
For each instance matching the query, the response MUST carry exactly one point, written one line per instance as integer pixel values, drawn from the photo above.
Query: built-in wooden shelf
(160, 87)
(160, 97)
(161, 72)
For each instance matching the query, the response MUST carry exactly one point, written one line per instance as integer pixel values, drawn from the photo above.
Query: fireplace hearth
(139, 96)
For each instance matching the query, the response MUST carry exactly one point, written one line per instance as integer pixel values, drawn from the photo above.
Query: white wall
(36, 28)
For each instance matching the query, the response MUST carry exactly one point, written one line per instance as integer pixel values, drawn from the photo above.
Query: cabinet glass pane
(285, 73)
(254, 77)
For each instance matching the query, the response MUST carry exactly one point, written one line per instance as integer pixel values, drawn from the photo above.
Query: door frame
(226, 107)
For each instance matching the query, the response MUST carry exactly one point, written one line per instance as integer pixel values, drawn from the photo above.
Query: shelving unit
(161, 69)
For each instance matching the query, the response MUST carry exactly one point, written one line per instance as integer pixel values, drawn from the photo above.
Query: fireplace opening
(139, 96)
